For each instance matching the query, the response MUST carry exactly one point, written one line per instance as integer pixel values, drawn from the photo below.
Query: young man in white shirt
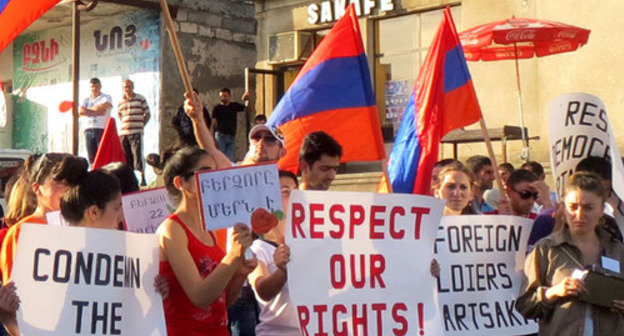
(94, 113)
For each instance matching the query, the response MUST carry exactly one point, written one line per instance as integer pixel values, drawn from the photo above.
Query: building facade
(397, 34)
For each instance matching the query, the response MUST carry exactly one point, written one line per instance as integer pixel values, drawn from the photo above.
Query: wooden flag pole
(384, 168)
(488, 145)
(175, 45)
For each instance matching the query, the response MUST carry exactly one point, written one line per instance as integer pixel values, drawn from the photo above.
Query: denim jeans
(92, 138)
(243, 314)
(225, 143)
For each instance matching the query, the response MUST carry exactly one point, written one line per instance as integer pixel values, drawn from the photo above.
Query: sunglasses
(186, 176)
(525, 194)
(268, 139)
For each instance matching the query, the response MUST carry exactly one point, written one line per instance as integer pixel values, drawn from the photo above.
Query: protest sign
(481, 265)
(55, 218)
(579, 127)
(360, 263)
(85, 281)
(230, 196)
(145, 210)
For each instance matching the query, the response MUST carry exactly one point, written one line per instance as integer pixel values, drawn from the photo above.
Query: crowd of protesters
(199, 281)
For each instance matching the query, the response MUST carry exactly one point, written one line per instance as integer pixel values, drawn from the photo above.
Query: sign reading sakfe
(145, 210)
(481, 266)
(360, 263)
(85, 281)
(229, 196)
(332, 10)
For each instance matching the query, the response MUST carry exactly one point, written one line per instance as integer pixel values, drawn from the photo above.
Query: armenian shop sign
(360, 263)
(84, 281)
(126, 45)
(481, 267)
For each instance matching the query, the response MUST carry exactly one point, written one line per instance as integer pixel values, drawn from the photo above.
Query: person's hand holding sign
(281, 256)
(240, 240)
(567, 287)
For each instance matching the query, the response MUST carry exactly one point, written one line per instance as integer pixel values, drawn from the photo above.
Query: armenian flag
(16, 15)
(443, 99)
(332, 93)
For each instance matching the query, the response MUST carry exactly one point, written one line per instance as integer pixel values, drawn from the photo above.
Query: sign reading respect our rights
(85, 281)
(360, 263)
(229, 196)
(481, 267)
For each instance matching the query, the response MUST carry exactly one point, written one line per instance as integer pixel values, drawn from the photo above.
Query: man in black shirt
(225, 120)
(182, 123)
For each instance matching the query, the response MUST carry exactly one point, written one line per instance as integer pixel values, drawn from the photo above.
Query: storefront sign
(481, 267)
(332, 10)
(360, 263)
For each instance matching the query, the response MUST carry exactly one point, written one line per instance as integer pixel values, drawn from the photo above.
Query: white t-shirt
(277, 316)
(96, 121)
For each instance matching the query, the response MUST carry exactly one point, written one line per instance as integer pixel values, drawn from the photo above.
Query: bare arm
(233, 289)
(194, 109)
(9, 303)
(266, 284)
(95, 111)
(201, 291)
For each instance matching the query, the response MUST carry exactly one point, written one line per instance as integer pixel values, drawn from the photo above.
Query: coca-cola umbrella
(518, 38)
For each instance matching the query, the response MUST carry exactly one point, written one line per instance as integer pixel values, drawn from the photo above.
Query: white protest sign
(579, 127)
(360, 263)
(145, 210)
(229, 196)
(55, 218)
(481, 265)
(84, 281)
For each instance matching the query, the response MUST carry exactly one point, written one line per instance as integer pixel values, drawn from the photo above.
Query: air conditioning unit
(290, 47)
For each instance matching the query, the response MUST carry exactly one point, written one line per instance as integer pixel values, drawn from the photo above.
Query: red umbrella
(520, 38)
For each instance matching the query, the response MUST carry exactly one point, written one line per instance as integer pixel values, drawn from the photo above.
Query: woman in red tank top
(202, 279)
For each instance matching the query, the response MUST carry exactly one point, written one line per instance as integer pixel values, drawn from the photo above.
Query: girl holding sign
(550, 291)
(203, 279)
(49, 178)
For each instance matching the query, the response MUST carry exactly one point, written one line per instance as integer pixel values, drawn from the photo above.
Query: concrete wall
(218, 42)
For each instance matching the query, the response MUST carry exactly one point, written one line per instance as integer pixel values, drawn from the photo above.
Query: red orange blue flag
(443, 99)
(16, 15)
(332, 93)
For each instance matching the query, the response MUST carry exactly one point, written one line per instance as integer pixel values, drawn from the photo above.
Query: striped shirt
(133, 112)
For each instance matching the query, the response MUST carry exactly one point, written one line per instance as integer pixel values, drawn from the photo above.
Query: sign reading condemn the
(229, 196)
(145, 210)
(84, 281)
(481, 264)
(360, 263)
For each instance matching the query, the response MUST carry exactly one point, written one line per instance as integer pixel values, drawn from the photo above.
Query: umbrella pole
(525, 148)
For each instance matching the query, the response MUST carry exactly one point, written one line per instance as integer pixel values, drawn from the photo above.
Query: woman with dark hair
(203, 279)
(49, 178)
(277, 312)
(549, 292)
(125, 175)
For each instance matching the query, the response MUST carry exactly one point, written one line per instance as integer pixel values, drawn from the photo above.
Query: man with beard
(481, 168)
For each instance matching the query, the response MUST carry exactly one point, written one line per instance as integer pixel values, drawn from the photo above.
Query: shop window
(401, 45)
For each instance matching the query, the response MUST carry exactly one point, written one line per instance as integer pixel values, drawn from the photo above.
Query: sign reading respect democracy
(85, 281)
(360, 263)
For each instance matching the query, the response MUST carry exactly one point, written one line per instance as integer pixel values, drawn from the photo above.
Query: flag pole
(384, 168)
(488, 145)
(175, 45)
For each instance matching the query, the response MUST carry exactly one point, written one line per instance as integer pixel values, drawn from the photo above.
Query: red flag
(109, 149)
(332, 93)
(443, 100)
(16, 15)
